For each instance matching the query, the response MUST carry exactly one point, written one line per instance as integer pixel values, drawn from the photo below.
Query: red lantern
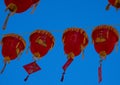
(18, 6)
(12, 46)
(75, 40)
(115, 3)
(104, 39)
(41, 42)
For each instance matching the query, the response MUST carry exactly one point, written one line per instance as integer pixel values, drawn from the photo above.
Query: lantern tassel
(19, 56)
(108, 7)
(83, 54)
(34, 7)
(26, 78)
(62, 78)
(6, 20)
(100, 72)
(69, 61)
(27, 50)
(116, 47)
(5, 63)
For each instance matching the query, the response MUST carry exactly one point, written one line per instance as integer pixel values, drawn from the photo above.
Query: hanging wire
(5, 64)
(62, 30)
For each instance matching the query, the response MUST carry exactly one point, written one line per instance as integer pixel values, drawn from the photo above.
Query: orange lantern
(115, 3)
(12, 46)
(104, 39)
(18, 6)
(75, 40)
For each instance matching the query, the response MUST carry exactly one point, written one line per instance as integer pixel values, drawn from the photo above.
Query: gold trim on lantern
(82, 47)
(37, 55)
(103, 54)
(46, 33)
(99, 40)
(77, 30)
(41, 42)
(17, 44)
(16, 36)
(63, 39)
(52, 46)
(17, 51)
(107, 27)
(23, 41)
(71, 55)
(84, 40)
(43, 32)
(53, 42)
(12, 7)
(7, 59)
(81, 31)
(116, 2)
(85, 35)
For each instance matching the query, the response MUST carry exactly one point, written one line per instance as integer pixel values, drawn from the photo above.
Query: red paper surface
(31, 67)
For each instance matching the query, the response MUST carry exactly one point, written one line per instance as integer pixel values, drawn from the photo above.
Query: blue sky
(55, 16)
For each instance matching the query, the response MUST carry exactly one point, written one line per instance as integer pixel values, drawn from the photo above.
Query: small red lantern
(12, 46)
(115, 3)
(18, 6)
(41, 42)
(104, 39)
(75, 40)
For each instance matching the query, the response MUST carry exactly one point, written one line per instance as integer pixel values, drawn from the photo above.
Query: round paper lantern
(41, 42)
(104, 38)
(114, 3)
(18, 6)
(12, 46)
(75, 40)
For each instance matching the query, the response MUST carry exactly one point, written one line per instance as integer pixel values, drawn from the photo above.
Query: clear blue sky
(55, 16)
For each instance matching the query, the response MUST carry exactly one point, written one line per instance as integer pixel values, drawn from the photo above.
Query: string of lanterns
(104, 38)
(75, 40)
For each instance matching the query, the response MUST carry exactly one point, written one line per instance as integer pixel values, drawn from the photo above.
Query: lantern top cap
(16, 36)
(108, 27)
(42, 32)
(76, 29)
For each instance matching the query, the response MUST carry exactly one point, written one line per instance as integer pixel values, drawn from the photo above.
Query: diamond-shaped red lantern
(31, 67)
